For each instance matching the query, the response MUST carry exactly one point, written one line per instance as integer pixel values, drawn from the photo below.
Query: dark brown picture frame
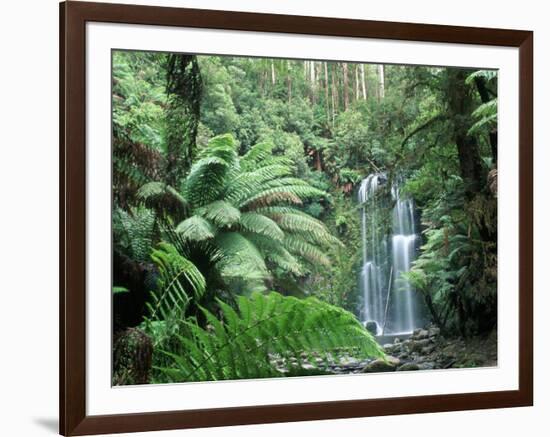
(72, 158)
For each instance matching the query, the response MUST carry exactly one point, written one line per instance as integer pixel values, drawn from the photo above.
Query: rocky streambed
(425, 349)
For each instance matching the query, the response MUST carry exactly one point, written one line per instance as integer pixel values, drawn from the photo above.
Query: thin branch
(431, 121)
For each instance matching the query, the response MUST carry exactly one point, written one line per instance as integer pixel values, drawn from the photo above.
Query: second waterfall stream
(390, 242)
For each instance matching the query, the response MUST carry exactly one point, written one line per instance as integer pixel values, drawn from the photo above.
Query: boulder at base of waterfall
(407, 367)
(372, 327)
(418, 345)
(381, 365)
(428, 349)
(428, 365)
(421, 334)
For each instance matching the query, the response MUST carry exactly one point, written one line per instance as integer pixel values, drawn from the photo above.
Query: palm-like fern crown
(248, 208)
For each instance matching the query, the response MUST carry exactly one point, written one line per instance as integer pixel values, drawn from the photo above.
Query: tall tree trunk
(312, 82)
(273, 78)
(334, 92)
(356, 83)
(184, 90)
(363, 82)
(381, 82)
(327, 103)
(289, 81)
(461, 106)
(346, 85)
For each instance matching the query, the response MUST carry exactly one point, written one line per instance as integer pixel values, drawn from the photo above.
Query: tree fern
(248, 208)
(266, 333)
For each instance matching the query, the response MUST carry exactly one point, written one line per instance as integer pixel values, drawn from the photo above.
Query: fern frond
(242, 258)
(159, 196)
(134, 231)
(311, 253)
(220, 212)
(260, 224)
(180, 281)
(206, 180)
(486, 74)
(257, 155)
(196, 228)
(265, 326)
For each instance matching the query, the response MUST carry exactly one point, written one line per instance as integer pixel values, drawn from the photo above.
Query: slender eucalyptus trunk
(273, 78)
(363, 82)
(381, 82)
(346, 85)
(327, 92)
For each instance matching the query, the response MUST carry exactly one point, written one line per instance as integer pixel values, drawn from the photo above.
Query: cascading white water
(388, 298)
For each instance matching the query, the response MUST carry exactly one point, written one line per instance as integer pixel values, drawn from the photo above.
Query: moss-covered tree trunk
(184, 90)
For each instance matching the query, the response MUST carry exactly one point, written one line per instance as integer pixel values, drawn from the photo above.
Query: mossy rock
(132, 357)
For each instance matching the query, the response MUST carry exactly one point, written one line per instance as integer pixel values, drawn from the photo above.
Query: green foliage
(239, 175)
(179, 285)
(134, 232)
(486, 116)
(247, 208)
(456, 271)
(247, 342)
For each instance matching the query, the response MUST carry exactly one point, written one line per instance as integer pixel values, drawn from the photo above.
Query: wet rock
(393, 360)
(346, 361)
(434, 331)
(417, 345)
(372, 327)
(428, 365)
(379, 365)
(427, 350)
(407, 367)
(421, 334)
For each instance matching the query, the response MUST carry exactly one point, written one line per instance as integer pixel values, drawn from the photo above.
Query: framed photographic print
(271, 218)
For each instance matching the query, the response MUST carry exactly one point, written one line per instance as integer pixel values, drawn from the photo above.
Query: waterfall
(389, 248)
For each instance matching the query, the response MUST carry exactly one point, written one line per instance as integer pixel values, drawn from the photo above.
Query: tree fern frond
(222, 147)
(220, 212)
(196, 228)
(486, 74)
(287, 193)
(159, 196)
(260, 224)
(313, 254)
(242, 257)
(276, 253)
(206, 180)
(248, 183)
(307, 226)
(256, 155)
